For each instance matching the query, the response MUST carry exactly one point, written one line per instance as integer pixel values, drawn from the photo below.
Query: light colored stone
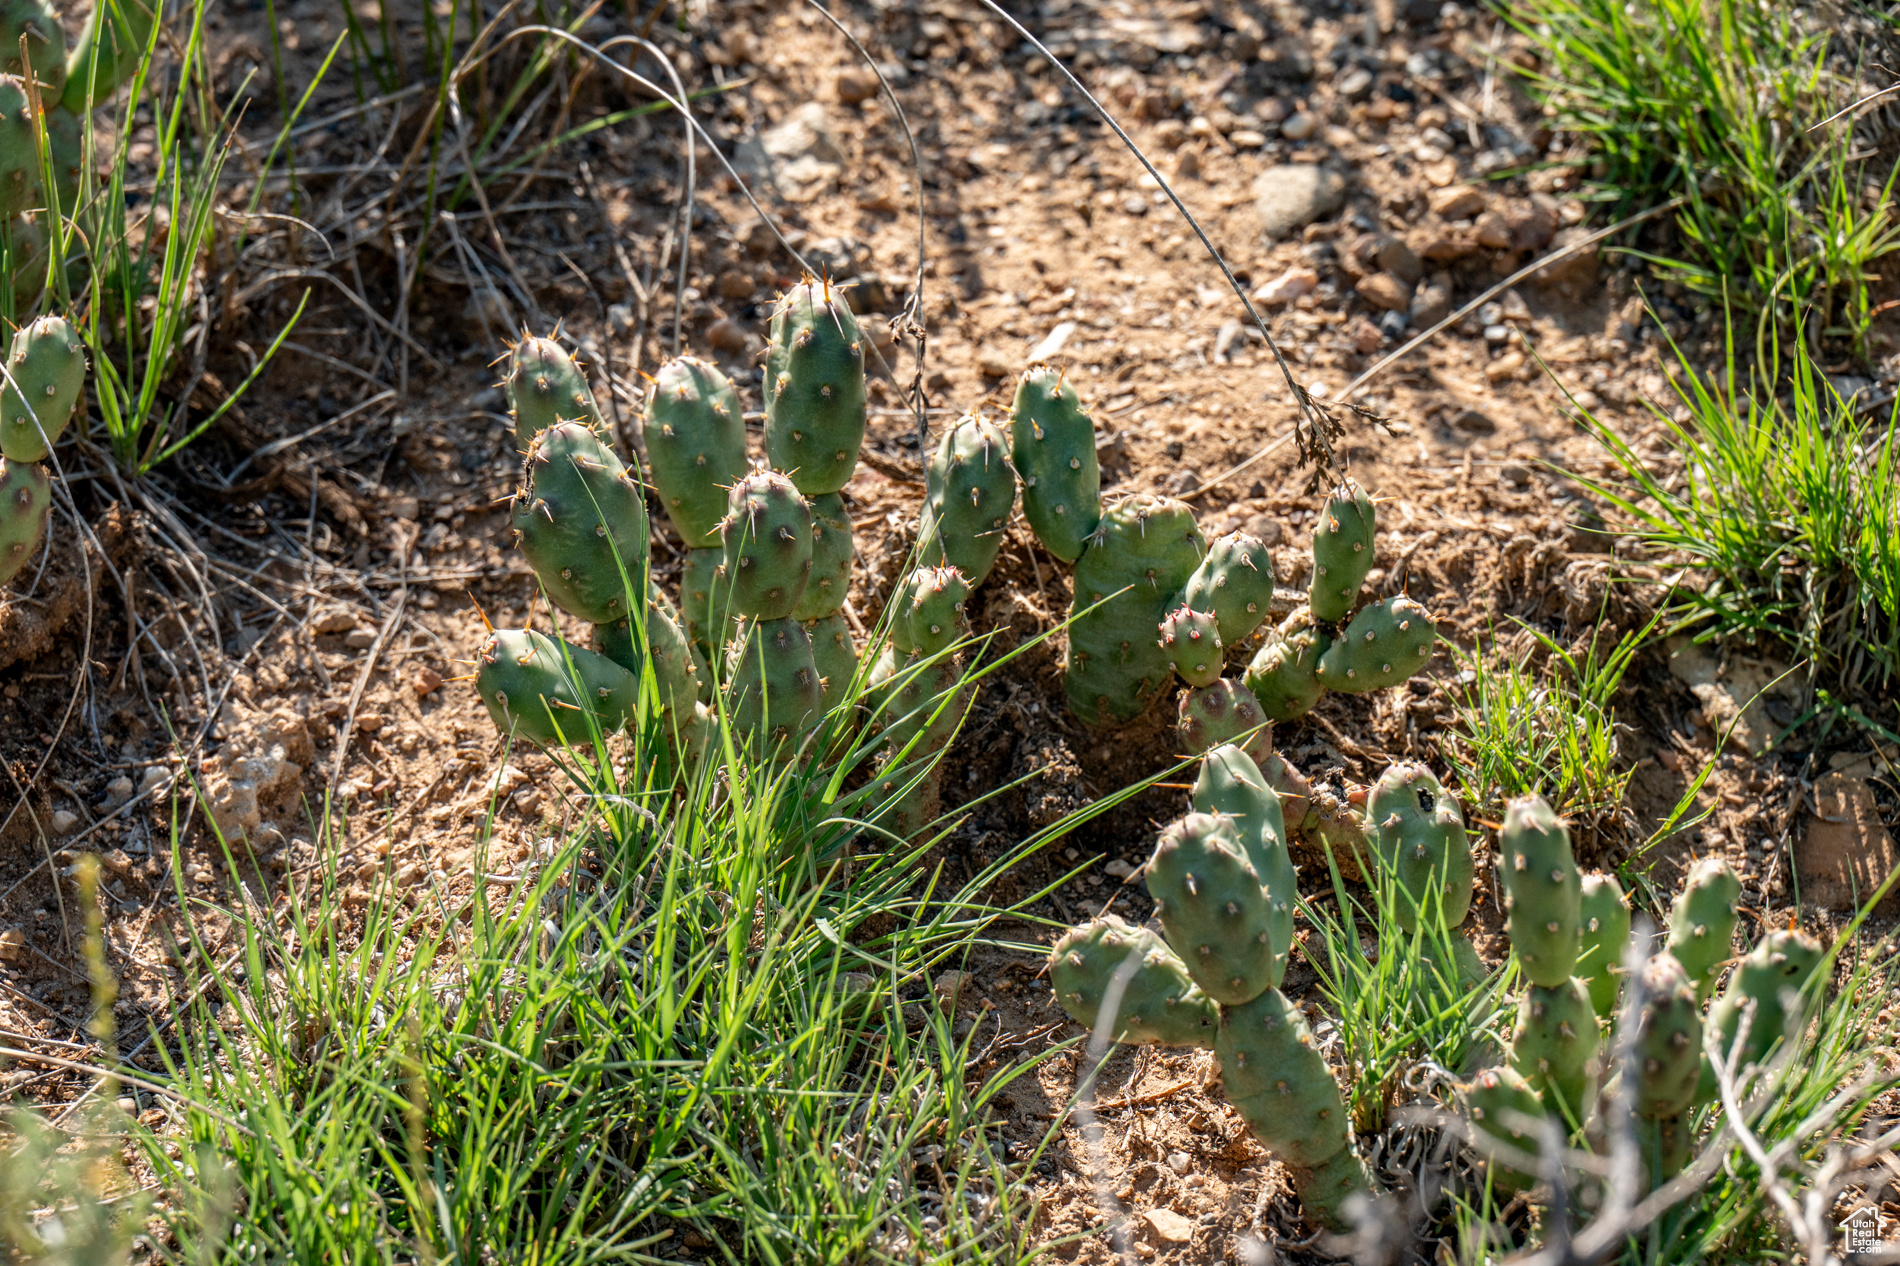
(949, 987)
(1846, 852)
(1299, 127)
(360, 639)
(800, 155)
(12, 945)
(1738, 697)
(334, 620)
(1504, 366)
(1287, 287)
(1168, 1226)
(1456, 202)
(1053, 342)
(503, 781)
(64, 822)
(1118, 868)
(1386, 292)
(260, 765)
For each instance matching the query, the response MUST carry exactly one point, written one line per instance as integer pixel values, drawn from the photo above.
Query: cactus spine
(832, 550)
(1382, 645)
(1235, 582)
(1191, 640)
(814, 388)
(1284, 674)
(1223, 712)
(694, 432)
(1052, 442)
(26, 497)
(1140, 556)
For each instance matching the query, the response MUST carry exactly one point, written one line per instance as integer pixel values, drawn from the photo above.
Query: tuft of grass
(1784, 506)
(1716, 103)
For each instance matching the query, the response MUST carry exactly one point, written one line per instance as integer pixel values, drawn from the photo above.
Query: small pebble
(359, 639)
(1299, 127)
(64, 822)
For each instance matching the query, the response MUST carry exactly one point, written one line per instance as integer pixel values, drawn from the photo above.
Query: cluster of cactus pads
(44, 381)
(1569, 932)
(1223, 885)
(65, 85)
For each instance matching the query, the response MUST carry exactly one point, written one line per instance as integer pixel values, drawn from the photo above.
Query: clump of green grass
(1717, 104)
(1785, 508)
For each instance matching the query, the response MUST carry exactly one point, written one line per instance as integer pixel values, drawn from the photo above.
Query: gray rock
(1293, 195)
(800, 155)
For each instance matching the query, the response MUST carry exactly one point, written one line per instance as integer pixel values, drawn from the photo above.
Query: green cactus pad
(19, 149)
(934, 616)
(1209, 899)
(1158, 1004)
(1284, 674)
(1223, 713)
(1052, 442)
(1342, 551)
(1702, 922)
(1230, 786)
(1668, 1040)
(694, 432)
(917, 698)
(969, 494)
(1606, 931)
(1386, 642)
(676, 667)
(1326, 1187)
(1142, 553)
(1555, 1045)
(545, 385)
(1780, 961)
(1666, 1145)
(108, 51)
(1543, 893)
(1418, 834)
(814, 388)
(701, 591)
(773, 691)
(1235, 582)
(905, 799)
(1191, 641)
(582, 523)
(45, 41)
(1496, 1100)
(47, 362)
(835, 652)
(767, 561)
(832, 550)
(26, 497)
(524, 678)
(1278, 1082)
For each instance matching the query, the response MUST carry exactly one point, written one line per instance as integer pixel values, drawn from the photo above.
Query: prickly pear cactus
(1235, 582)
(1555, 1046)
(38, 23)
(26, 496)
(969, 494)
(1208, 896)
(582, 523)
(546, 691)
(1668, 1040)
(1336, 826)
(1159, 1002)
(1052, 442)
(1500, 1102)
(773, 691)
(917, 699)
(694, 432)
(905, 799)
(1666, 1143)
(1772, 976)
(934, 617)
(704, 600)
(108, 52)
(835, 653)
(1230, 787)
(1192, 643)
(814, 388)
(1284, 674)
(545, 385)
(1142, 553)
(1418, 835)
(1543, 893)
(1223, 712)
(1606, 931)
(1381, 646)
(19, 149)
(677, 671)
(767, 536)
(832, 550)
(1702, 922)
(46, 375)
(1342, 551)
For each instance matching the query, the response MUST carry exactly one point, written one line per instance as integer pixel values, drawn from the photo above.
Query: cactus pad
(45, 42)
(583, 523)
(1191, 641)
(906, 798)
(814, 388)
(1500, 1102)
(1230, 786)
(1052, 442)
(1284, 674)
(768, 551)
(26, 497)
(1159, 1003)
(1142, 553)
(1210, 902)
(934, 614)
(1702, 922)
(1342, 551)
(1418, 834)
(1235, 582)
(1555, 1045)
(832, 550)
(694, 432)
(917, 699)
(46, 371)
(835, 653)
(969, 494)
(545, 385)
(1278, 1081)
(701, 590)
(1668, 1040)
(1224, 712)
(772, 682)
(1386, 642)
(1543, 893)
(1780, 961)
(525, 679)
(1606, 931)
(676, 672)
